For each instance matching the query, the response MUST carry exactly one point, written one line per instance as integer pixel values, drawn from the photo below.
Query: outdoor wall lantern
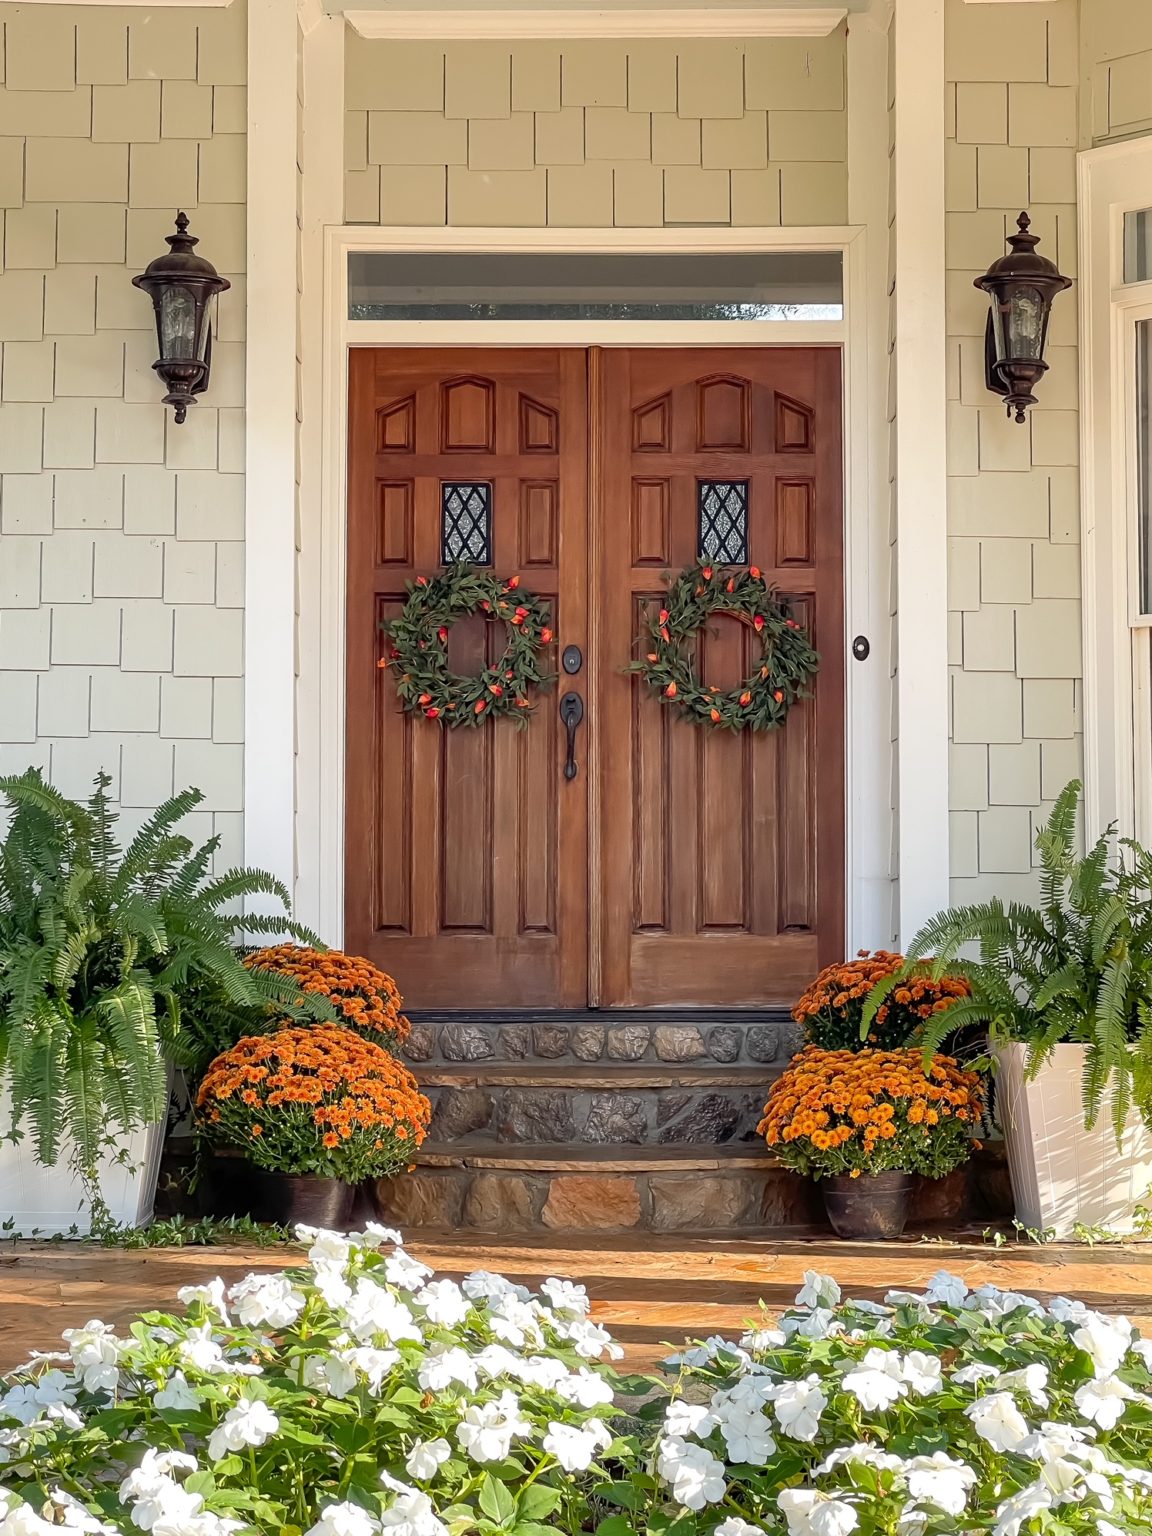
(183, 288)
(1021, 287)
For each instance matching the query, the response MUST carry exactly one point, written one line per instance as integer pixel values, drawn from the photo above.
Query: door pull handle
(571, 712)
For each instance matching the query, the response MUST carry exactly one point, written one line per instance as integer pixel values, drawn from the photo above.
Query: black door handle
(571, 712)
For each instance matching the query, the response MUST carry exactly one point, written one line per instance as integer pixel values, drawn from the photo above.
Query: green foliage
(1077, 969)
(98, 949)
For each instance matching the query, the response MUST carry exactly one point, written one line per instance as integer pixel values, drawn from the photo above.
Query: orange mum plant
(832, 1008)
(319, 1100)
(366, 998)
(854, 1112)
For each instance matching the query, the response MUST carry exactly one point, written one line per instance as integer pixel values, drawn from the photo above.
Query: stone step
(493, 1188)
(640, 1104)
(723, 1036)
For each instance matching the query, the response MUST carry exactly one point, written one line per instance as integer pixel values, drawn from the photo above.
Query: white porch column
(270, 453)
(922, 679)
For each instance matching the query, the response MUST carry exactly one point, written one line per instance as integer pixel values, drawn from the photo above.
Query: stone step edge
(563, 1159)
(593, 1079)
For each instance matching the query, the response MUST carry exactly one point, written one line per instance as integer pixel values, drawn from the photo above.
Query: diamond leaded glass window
(723, 521)
(465, 522)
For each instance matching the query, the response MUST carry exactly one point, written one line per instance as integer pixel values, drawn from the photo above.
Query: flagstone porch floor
(650, 1291)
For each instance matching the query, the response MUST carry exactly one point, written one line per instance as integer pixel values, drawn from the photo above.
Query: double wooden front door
(680, 866)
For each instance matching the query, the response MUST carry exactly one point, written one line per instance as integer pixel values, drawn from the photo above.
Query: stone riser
(633, 1117)
(748, 1200)
(762, 1040)
(492, 1200)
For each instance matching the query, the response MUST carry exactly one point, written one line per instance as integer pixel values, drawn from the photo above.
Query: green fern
(102, 955)
(1076, 969)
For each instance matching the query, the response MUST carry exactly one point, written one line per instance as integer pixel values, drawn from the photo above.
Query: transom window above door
(769, 286)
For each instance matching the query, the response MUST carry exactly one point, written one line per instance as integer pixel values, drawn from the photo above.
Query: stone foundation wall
(768, 1039)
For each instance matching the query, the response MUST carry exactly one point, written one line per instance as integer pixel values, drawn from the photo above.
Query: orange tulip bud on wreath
(785, 663)
(417, 642)
(365, 999)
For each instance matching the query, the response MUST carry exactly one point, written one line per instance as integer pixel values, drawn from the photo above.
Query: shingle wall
(121, 554)
(1014, 558)
(1118, 57)
(597, 133)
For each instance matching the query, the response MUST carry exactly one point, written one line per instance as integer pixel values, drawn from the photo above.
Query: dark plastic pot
(232, 1186)
(872, 1208)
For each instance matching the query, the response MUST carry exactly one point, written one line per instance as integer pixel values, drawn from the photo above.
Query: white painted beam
(922, 679)
(270, 444)
(604, 22)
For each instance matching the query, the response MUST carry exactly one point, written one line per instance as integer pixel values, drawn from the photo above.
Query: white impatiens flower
(760, 1340)
(575, 1445)
(997, 1420)
(1106, 1340)
(798, 1407)
(588, 1339)
(812, 1513)
(1052, 1441)
(329, 1250)
(250, 1422)
(486, 1430)
(1103, 1402)
(266, 1301)
(50, 1396)
(1014, 1513)
(344, 1520)
(817, 1324)
(585, 1388)
(978, 1371)
(426, 1458)
(818, 1291)
(921, 1372)
(939, 1480)
(859, 1454)
(1032, 1379)
(482, 1285)
(372, 1311)
(176, 1395)
(946, 1289)
(212, 1295)
(876, 1382)
(95, 1350)
(692, 1473)
(405, 1272)
(445, 1366)
(734, 1526)
(566, 1298)
(413, 1514)
(444, 1303)
(682, 1419)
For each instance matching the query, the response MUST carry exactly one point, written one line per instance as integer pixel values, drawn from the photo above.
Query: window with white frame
(1116, 482)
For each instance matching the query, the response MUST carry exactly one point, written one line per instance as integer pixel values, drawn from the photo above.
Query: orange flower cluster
(867, 1111)
(319, 1100)
(832, 1008)
(366, 997)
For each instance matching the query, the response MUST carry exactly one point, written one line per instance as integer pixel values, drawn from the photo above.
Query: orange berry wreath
(832, 1009)
(366, 998)
(856, 1112)
(785, 662)
(320, 1101)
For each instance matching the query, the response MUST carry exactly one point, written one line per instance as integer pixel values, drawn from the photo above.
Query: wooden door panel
(466, 850)
(722, 855)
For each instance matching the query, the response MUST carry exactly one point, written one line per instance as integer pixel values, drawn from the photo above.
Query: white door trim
(1112, 180)
(597, 21)
(323, 519)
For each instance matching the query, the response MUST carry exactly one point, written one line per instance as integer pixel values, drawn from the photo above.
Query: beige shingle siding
(596, 133)
(1014, 572)
(1118, 51)
(121, 535)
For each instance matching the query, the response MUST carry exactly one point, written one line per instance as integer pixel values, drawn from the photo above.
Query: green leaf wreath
(787, 661)
(418, 647)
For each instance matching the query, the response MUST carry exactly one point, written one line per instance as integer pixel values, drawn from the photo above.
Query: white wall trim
(322, 207)
(1111, 180)
(270, 443)
(574, 22)
(922, 681)
(324, 530)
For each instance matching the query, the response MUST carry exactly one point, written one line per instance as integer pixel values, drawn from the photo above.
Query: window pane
(466, 523)
(562, 285)
(1138, 246)
(723, 528)
(1144, 458)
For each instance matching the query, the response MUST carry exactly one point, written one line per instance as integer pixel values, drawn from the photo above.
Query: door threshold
(772, 1013)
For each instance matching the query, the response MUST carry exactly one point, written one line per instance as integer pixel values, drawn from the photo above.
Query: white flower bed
(361, 1396)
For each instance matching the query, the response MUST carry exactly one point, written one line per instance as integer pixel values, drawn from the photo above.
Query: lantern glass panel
(176, 320)
(1138, 246)
(207, 328)
(1024, 324)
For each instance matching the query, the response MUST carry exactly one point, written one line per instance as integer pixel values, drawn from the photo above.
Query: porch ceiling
(593, 18)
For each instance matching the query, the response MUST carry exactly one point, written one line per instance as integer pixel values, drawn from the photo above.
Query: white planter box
(1061, 1173)
(49, 1201)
